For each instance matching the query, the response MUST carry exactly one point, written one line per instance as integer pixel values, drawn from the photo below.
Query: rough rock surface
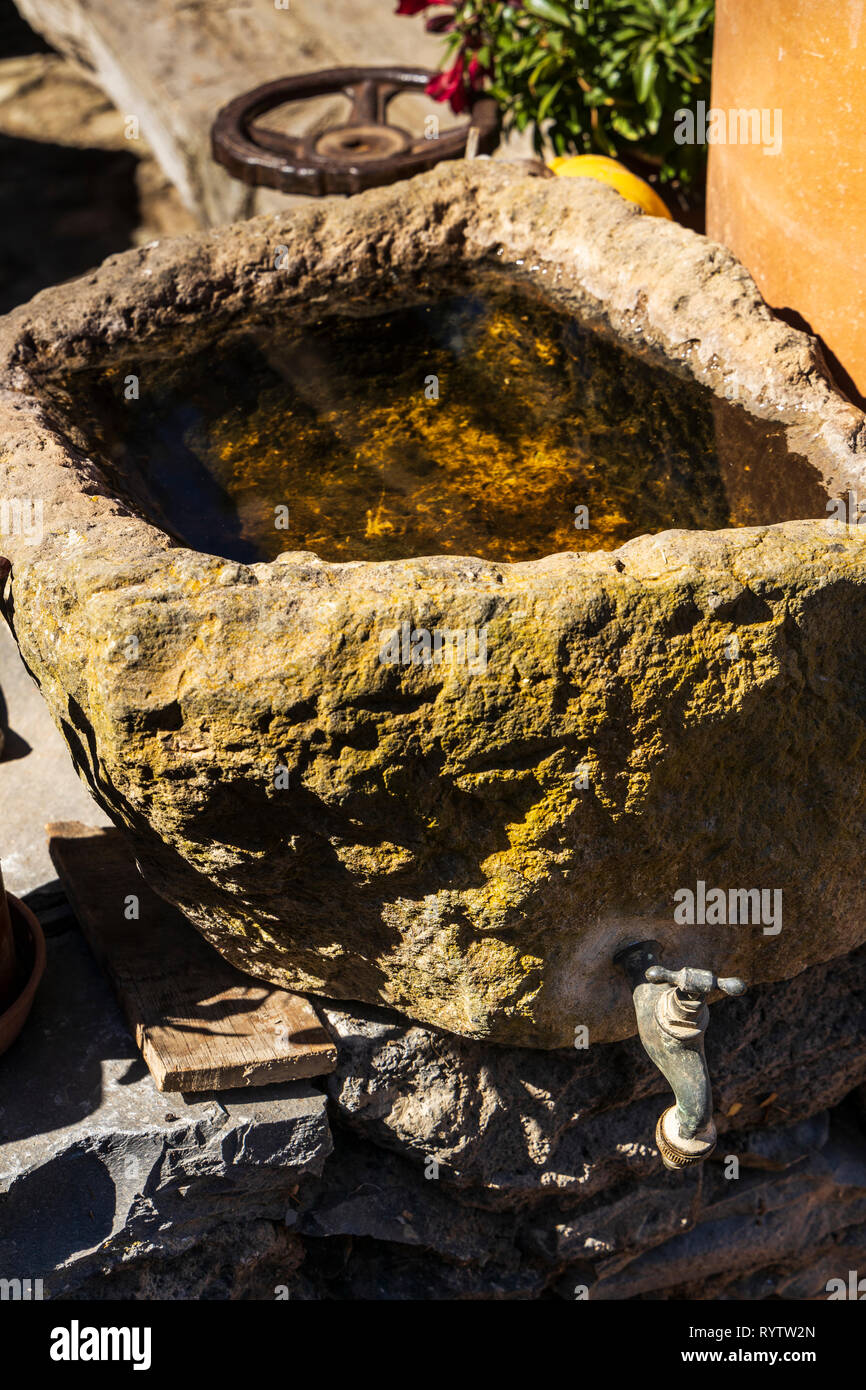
(535, 1173)
(445, 1168)
(99, 1170)
(777, 1229)
(517, 1126)
(247, 1259)
(372, 1228)
(431, 850)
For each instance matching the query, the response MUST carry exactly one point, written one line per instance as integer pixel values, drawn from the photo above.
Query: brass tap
(672, 1017)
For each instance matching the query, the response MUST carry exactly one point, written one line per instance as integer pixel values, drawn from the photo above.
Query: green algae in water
(473, 426)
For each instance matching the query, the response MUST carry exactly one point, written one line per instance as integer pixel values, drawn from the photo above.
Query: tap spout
(672, 1018)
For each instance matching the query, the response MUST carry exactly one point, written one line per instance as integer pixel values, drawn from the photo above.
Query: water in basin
(482, 424)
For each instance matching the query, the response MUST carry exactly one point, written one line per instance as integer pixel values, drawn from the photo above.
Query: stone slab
(46, 98)
(174, 63)
(97, 1167)
(38, 781)
(232, 1195)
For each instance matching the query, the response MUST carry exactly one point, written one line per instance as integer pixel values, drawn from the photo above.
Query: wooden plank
(201, 1024)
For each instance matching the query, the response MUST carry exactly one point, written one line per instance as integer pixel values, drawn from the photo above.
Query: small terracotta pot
(8, 962)
(30, 952)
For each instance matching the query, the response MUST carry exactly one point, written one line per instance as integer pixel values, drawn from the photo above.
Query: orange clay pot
(25, 934)
(797, 219)
(7, 950)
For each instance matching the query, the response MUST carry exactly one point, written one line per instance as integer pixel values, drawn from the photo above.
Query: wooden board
(201, 1024)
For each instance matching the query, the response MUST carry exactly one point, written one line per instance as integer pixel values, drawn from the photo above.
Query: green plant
(608, 77)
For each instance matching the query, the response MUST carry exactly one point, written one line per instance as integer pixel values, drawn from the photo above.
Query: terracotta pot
(797, 219)
(7, 950)
(30, 963)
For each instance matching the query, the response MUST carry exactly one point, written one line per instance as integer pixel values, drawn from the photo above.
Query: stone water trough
(371, 765)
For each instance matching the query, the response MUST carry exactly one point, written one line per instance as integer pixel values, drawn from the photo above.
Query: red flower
(450, 86)
(456, 84)
(439, 24)
(416, 6)
(476, 74)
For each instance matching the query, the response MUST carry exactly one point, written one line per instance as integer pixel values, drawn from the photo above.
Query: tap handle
(731, 984)
(695, 984)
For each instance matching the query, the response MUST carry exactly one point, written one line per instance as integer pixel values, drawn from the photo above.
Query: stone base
(435, 1167)
(99, 1172)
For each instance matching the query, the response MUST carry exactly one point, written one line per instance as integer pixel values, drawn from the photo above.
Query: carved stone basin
(433, 679)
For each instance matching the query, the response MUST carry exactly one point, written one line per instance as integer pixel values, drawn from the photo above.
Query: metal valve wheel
(365, 152)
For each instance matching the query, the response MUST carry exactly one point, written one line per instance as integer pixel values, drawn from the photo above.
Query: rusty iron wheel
(365, 152)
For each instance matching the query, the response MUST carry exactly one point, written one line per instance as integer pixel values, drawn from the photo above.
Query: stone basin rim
(577, 244)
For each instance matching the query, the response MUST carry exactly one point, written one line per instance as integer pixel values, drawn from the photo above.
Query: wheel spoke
(370, 101)
(364, 97)
(289, 146)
